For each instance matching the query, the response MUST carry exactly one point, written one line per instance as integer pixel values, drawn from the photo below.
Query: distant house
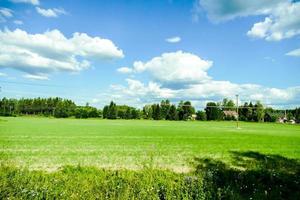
(282, 120)
(193, 117)
(285, 120)
(230, 114)
(292, 121)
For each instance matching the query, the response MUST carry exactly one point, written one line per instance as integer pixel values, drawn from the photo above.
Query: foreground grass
(47, 144)
(253, 176)
(42, 158)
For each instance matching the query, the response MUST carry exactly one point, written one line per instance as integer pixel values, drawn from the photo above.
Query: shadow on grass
(252, 175)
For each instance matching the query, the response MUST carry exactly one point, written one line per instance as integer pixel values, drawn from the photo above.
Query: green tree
(165, 107)
(185, 110)
(228, 104)
(213, 111)
(172, 114)
(128, 113)
(112, 111)
(258, 112)
(61, 110)
(135, 113)
(92, 112)
(156, 112)
(147, 112)
(270, 115)
(81, 112)
(200, 115)
(180, 111)
(297, 115)
(244, 112)
(105, 112)
(188, 110)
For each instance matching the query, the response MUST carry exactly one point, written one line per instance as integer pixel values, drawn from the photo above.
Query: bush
(201, 115)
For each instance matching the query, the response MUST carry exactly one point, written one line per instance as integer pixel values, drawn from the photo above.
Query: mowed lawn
(46, 143)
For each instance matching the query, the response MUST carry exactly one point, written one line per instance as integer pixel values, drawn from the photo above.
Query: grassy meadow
(142, 159)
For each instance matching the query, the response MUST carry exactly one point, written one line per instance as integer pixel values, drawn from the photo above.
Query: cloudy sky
(139, 52)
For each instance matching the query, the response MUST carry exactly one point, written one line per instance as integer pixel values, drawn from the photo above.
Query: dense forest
(165, 110)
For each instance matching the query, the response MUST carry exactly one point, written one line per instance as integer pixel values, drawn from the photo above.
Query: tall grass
(251, 176)
(91, 183)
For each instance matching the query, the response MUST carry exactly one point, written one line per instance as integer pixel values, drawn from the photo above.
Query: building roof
(230, 113)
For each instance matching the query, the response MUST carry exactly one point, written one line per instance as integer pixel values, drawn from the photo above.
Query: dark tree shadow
(251, 175)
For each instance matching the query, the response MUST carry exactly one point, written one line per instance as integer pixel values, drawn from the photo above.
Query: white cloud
(96, 47)
(223, 10)
(33, 2)
(283, 22)
(36, 76)
(51, 51)
(175, 67)
(260, 29)
(211, 89)
(171, 67)
(173, 39)
(282, 19)
(136, 93)
(136, 87)
(4, 14)
(295, 53)
(54, 12)
(2, 74)
(95, 101)
(225, 89)
(18, 22)
(124, 70)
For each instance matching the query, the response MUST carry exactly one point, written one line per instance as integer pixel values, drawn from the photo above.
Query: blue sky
(139, 52)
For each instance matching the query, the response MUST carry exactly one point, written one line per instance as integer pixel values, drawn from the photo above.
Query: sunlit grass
(44, 143)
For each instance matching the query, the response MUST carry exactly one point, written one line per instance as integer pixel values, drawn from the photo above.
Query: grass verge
(252, 175)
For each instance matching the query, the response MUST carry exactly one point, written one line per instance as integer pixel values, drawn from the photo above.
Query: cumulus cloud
(51, 51)
(54, 12)
(36, 76)
(260, 29)
(283, 22)
(282, 16)
(173, 39)
(175, 67)
(5, 13)
(221, 89)
(154, 89)
(2, 74)
(199, 88)
(33, 2)
(124, 70)
(138, 94)
(295, 53)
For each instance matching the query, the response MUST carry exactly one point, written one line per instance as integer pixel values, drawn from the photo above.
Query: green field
(45, 158)
(43, 143)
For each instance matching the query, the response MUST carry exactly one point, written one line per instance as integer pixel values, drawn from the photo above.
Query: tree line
(56, 107)
(165, 110)
(162, 111)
